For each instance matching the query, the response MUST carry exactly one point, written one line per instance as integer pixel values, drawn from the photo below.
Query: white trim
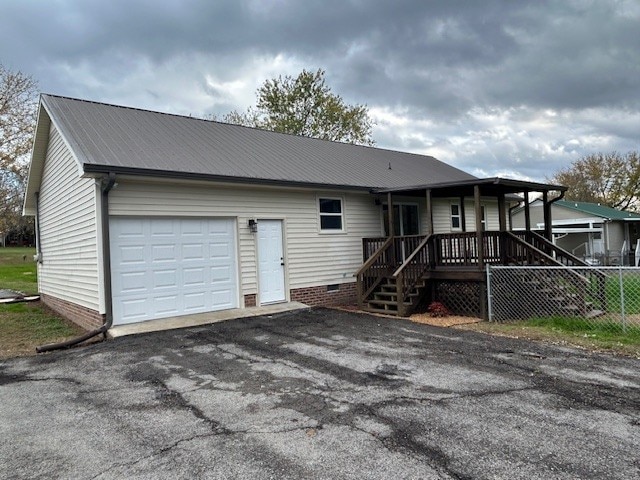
(452, 216)
(331, 231)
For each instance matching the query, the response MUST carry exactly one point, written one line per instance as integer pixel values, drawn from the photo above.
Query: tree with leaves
(306, 106)
(611, 179)
(18, 110)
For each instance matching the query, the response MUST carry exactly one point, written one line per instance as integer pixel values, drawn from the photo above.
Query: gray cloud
(491, 86)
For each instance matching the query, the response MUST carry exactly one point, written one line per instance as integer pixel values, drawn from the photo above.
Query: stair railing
(541, 243)
(412, 270)
(375, 269)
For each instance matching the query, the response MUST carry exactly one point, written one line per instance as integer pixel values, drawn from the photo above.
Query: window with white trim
(331, 218)
(456, 219)
(483, 220)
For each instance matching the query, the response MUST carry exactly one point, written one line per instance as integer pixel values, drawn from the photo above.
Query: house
(143, 215)
(597, 233)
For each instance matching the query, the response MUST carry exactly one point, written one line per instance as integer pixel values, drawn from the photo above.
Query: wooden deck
(397, 271)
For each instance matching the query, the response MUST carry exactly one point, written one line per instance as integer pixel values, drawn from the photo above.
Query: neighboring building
(597, 233)
(144, 215)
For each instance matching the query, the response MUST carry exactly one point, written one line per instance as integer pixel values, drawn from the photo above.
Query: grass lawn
(24, 326)
(602, 336)
(18, 270)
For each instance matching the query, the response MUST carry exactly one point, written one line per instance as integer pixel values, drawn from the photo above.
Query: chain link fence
(607, 297)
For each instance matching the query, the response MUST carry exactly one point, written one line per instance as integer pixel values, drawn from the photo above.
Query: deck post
(480, 243)
(527, 212)
(463, 215)
(429, 213)
(547, 216)
(502, 213)
(479, 240)
(390, 228)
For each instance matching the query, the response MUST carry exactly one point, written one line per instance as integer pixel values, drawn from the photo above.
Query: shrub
(438, 309)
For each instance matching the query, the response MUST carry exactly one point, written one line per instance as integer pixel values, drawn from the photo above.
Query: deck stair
(385, 298)
(535, 293)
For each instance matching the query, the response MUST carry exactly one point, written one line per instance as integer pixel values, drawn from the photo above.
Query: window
(483, 220)
(330, 214)
(455, 217)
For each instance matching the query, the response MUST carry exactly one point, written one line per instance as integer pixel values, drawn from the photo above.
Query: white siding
(69, 268)
(442, 214)
(313, 258)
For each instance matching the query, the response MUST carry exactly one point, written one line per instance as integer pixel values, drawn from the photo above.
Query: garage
(165, 267)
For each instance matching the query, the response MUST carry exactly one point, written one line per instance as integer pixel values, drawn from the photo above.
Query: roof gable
(107, 137)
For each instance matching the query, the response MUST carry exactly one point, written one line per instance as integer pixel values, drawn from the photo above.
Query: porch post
(476, 196)
(527, 212)
(429, 213)
(547, 215)
(390, 215)
(463, 216)
(392, 259)
(479, 238)
(502, 213)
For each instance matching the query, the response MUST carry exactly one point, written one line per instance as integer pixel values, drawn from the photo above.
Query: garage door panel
(163, 228)
(194, 276)
(132, 254)
(132, 282)
(170, 267)
(193, 251)
(166, 305)
(163, 253)
(221, 251)
(165, 278)
(220, 274)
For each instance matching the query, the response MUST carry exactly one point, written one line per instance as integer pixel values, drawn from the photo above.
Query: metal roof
(489, 186)
(598, 210)
(127, 140)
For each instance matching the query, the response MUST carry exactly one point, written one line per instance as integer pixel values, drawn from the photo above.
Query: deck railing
(562, 257)
(408, 258)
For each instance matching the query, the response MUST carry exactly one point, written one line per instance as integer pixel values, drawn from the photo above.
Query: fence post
(622, 308)
(489, 303)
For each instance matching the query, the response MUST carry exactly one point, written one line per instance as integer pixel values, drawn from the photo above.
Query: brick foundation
(250, 300)
(320, 296)
(82, 316)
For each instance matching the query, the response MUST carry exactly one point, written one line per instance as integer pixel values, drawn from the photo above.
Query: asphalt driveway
(319, 394)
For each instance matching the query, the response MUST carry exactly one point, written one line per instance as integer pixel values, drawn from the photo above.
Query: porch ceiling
(488, 187)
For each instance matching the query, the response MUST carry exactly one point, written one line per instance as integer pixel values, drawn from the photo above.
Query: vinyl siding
(69, 268)
(442, 214)
(313, 258)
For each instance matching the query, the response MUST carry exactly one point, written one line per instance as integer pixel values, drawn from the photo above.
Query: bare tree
(611, 179)
(18, 110)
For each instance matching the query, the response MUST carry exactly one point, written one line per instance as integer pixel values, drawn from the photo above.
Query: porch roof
(488, 186)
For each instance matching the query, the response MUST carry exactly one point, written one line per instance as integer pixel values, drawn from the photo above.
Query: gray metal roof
(113, 138)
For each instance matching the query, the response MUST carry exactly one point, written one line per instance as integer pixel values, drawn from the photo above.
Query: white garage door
(163, 267)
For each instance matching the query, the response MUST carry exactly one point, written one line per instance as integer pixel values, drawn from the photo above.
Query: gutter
(107, 184)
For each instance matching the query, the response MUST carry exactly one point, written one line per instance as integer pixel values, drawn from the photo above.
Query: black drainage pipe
(106, 188)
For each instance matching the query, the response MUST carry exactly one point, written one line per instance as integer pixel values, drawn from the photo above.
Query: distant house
(144, 215)
(592, 231)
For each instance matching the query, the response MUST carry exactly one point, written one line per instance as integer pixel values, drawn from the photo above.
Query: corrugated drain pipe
(107, 185)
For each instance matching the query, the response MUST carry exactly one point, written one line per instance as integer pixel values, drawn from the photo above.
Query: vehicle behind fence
(607, 297)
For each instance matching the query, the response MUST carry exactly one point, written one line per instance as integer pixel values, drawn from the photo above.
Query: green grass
(592, 334)
(18, 269)
(605, 331)
(631, 285)
(23, 326)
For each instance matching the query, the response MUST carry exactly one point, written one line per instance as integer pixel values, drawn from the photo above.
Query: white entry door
(270, 261)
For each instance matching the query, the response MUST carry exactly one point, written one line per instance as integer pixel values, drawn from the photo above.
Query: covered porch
(401, 270)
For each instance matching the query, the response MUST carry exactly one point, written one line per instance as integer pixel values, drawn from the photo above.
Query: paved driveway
(319, 394)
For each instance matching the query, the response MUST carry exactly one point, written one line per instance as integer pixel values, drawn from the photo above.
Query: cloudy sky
(509, 88)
